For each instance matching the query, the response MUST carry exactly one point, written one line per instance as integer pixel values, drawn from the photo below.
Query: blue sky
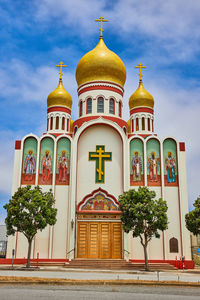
(36, 35)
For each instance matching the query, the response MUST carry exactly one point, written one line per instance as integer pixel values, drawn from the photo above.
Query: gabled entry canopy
(98, 201)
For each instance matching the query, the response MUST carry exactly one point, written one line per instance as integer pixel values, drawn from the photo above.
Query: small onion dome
(59, 97)
(101, 64)
(141, 98)
(129, 126)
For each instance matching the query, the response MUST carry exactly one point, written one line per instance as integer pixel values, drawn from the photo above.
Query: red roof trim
(141, 109)
(59, 108)
(17, 145)
(100, 87)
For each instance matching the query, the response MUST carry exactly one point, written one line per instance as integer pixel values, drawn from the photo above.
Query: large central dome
(101, 64)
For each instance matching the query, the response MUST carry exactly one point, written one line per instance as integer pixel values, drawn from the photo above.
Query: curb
(55, 281)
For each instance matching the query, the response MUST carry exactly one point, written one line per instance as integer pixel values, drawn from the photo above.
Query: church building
(90, 161)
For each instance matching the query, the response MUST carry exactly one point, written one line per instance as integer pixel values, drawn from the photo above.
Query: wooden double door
(101, 240)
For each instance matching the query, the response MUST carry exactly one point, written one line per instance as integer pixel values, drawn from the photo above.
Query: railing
(70, 251)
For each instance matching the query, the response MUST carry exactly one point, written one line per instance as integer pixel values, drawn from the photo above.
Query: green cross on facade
(100, 156)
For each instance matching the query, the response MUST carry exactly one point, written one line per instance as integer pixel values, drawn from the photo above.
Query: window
(148, 124)
(152, 126)
(80, 109)
(137, 124)
(57, 122)
(120, 109)
(143, 123)
(173, 245)
(132, 125)
(112, 106)
(63, 123)
(100, 105)
(89, 106)
(51, 123)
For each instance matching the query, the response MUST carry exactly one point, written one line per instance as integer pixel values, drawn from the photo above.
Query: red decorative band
(100, 87)
(100, 82)
(142, 135)
(17, 145)
(119, 121)
(182, 146)
(59, 108)
(142, 110)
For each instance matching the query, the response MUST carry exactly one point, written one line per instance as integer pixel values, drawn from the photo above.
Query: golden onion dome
(59, 97)
(141, 98)
(101, 64)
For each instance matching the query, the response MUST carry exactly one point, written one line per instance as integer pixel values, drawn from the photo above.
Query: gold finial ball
(101, 64)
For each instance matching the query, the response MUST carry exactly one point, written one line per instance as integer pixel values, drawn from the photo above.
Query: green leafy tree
(28, 211)
(192, 219)
(143, 216)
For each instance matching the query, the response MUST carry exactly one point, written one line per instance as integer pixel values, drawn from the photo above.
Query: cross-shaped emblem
(140, 66)
(100, 156)
(61, 65)
(101, 19)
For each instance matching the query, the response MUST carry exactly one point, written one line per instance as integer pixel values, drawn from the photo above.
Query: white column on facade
(65, 128)
(54, 123)
(60, 123)
(146, 123)
(145, 162)
(53, 189)
(140, 123)
(151, 124)
(134, 124)
(163, 195)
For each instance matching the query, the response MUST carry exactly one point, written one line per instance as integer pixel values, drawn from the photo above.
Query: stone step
(118, 264)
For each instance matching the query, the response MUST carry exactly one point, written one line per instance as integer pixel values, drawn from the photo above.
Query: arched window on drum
(100, 105)
(112, 106)
(89, 106)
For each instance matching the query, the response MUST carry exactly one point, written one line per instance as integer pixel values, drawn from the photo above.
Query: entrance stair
(114, 264)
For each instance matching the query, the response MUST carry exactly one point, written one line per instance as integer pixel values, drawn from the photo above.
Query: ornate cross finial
(61, 65)
(101, 19)
(140, 66)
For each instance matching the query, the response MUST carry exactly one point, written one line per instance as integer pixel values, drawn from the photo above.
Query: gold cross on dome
(101, 19)
(140, 66)
(61, 65)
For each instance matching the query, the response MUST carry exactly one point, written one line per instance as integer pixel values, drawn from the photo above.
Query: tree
(192, 218)
(143, 215)
(28, 211)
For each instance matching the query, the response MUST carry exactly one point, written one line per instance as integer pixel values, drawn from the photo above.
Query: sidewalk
(60, 275)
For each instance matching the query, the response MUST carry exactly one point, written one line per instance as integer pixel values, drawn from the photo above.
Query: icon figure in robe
(153, 164)
(136, 167)
(29, 166)
(46, 166)
(170, 166)
(63, 167)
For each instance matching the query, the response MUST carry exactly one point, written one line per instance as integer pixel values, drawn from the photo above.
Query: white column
(151, 124)
(146, 123)
(134, 121)
(54, 123)
(140, 123)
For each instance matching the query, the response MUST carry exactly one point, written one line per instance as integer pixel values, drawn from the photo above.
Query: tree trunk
(146, 258)
(29, 253)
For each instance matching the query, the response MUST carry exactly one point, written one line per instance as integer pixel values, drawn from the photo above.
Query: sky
(35, 35)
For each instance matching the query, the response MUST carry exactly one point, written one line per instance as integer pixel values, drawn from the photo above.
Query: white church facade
(89, 162)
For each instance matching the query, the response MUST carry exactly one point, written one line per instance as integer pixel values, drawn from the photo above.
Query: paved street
(104, 275)
(97, 292)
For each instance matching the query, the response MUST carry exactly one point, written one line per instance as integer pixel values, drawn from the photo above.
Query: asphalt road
(40, 292)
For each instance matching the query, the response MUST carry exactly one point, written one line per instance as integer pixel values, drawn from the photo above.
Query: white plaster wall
(184, 203)
(92, 136)
(60, 228)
